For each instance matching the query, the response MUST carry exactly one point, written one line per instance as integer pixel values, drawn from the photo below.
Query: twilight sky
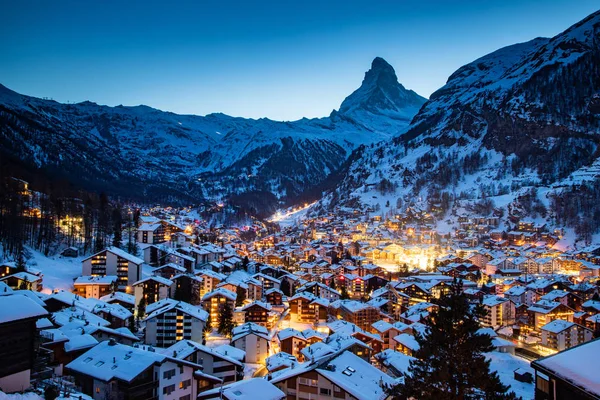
(278, 59)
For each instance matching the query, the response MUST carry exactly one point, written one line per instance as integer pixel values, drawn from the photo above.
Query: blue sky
(278, 59)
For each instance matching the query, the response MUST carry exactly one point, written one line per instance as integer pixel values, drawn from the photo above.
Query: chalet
(152, 289)
(170, 321)
(280, 361)
(214, 301)
(257, 313)
(123, 299)
(210, 280)
(116, 315)
(254, 340)
(406, 344)
(274, 297)
(340, 376)
(544, 311)
(521, 295)
(158, 255)
(560, 335)
(500, 311)
(217, 364)
(70, 252)
(388, 331)
(320, 290)
(562, 296)
(114, 261)
(307, 308)
(169, 270)
(118, 371)
(151, 233)
(186, 287)
(23, 280)
(268, 282)
(95, 286)
(360, 314)
(393, 362)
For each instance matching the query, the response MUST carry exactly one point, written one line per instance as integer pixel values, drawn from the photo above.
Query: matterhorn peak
(381, 93)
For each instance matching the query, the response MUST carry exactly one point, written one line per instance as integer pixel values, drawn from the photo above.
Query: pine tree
(332, 283)
(285, 287)
(450, 363)
(207, 329)
(24, 285)
(225, 320)
(178, 295)
(117, 221)
(20, 264)
(241, 296)
(344, 293)
(141, 309)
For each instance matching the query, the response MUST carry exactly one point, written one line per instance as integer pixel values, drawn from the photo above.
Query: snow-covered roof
(394, 359)
(221, 292)
(96, 280)
(247, 329)
(79, 316)
(16, 307)
(578, 365)
(159, 279)
(407, 341)
(230, 351)
(281, 359)
(356, 376)
(119, 296)
(184, 348)
(316, 351)
(557, 326)
(186, 308)
(109, 360)
(120, 253)
(248, 389)
(149, 227)
(79, 342)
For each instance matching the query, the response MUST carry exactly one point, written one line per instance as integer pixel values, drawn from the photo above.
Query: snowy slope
(521, 117)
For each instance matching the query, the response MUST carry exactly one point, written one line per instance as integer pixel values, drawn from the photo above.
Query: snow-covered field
(59, 272)
(505, 364)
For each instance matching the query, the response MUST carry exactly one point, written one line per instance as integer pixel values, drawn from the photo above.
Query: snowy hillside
(522, 118)
(154, 152)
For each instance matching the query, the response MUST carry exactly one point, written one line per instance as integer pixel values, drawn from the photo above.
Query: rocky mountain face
(521, 117)
(381, 100)
(146, 153)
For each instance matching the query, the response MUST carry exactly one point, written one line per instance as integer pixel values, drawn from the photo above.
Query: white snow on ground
(250, 370)
(59, 272)
(215, 339)
(505, 364)
(291, 217)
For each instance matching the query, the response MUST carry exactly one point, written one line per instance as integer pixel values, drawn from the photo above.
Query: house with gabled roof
(173, 321)
(115, 370)
(340, 375)
(218, 364)
(114, 261)
(254, 340)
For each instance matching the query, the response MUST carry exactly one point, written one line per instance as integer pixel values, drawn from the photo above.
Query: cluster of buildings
(326, 309)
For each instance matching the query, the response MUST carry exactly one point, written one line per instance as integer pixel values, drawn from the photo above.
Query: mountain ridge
(522, 118)
(209, 157)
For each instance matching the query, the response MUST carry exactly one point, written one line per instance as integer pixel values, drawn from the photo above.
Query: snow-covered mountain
(144, 151)
(381, 100)
(524, 116)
